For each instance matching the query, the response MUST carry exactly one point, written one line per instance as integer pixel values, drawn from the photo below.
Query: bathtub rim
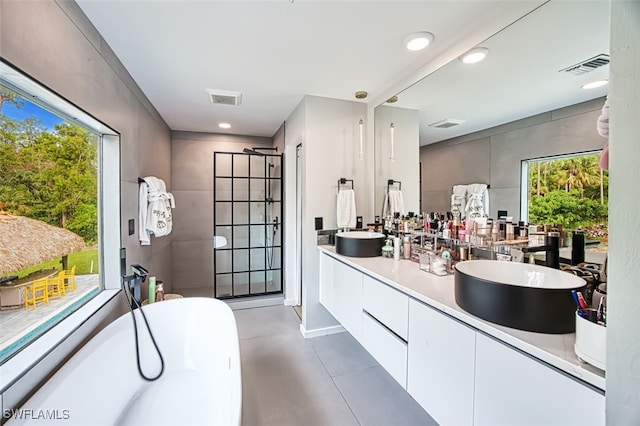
(116, 330)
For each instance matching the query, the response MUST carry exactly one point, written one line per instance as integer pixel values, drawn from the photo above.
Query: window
(568, 190)
(53, 158)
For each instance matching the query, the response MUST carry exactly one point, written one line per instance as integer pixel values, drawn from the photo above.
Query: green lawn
(82, 260)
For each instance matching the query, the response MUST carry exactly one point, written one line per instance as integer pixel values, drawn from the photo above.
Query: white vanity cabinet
(456, 370)
(514, 389)
(326, 292)
(341, 293)
(385, 327)
(441, 364)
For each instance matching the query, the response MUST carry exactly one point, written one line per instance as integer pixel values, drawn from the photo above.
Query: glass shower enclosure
(247, 210)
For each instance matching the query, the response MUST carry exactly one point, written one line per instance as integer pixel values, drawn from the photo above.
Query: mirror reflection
(477, 123)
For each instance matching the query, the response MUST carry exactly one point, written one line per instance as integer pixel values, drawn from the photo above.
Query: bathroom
(149, 146)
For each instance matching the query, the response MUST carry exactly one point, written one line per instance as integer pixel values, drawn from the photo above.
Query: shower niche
(247, 210)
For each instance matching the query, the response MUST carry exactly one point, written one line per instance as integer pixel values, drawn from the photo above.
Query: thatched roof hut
(26, 242)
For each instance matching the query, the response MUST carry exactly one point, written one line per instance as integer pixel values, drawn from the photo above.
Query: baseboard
(308, 334)
(255, 302)
(290, 302)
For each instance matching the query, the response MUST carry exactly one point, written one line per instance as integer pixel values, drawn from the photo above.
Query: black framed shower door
(247, 210)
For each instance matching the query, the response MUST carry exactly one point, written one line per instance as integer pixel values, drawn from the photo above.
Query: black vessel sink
(359, 244)
(518, 295)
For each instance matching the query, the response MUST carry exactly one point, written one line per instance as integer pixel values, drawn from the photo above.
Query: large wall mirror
(476, 123)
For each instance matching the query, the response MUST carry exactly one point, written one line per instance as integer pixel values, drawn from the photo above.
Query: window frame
(63, 337)
(524, 177)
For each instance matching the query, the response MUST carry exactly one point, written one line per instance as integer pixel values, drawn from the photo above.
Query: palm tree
(602, 186)
(538, 181)
(587, 172)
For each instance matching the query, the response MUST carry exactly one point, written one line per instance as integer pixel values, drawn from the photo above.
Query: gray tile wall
(192, 187)
(494, 156)
(54, 43)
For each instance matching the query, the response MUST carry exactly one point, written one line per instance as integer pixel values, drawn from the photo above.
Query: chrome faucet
(551, 249)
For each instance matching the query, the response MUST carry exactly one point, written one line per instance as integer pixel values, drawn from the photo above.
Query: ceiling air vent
(588, 65)
(221, 97)
(446, 123)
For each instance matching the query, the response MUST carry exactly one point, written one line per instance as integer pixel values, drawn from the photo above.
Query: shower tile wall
(192, 187)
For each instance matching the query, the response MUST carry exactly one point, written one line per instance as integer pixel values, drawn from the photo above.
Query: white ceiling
(520, 77)
(275, 52)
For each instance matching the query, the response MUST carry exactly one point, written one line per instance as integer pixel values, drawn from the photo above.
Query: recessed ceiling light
(224, 125)
(361, 94)
(595, 84)
(418, 41)
(474, 55)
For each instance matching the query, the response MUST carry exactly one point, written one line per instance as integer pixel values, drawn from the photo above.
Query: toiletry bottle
(468, 226)
(495, 231)
(446, 232)
(396, 248)
(159, 292)
(510, 231)
(152, 289)
(406, 248)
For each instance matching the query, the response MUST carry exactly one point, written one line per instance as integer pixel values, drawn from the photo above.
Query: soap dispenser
(152, 289)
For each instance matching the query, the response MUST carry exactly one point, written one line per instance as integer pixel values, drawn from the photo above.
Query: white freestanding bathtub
(100, 384)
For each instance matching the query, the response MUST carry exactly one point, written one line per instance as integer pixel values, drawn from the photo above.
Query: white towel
(603, 120)
(477, 199)
(155, 205)
(393, 203)
(346, 208)
(459, 197)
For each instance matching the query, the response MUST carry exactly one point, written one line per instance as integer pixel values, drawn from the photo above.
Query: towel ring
(343, 181)
(392, 182)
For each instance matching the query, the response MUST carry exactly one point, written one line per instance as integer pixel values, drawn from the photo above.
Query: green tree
(567, 209)
(9, 97)
(50, 176)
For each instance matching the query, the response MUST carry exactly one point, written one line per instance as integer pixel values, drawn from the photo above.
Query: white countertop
(438, 292)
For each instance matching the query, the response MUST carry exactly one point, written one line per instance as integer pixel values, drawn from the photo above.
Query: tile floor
(329, 380)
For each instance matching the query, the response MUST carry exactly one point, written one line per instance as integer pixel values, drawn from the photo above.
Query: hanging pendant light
(361, 123)
(391, 129)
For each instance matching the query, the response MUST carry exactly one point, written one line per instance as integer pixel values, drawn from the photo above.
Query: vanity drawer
(387, 305)
(387, 348)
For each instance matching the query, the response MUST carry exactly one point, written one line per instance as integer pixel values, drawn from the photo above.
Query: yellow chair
(56, 285)
(68, 278)
(36, 291)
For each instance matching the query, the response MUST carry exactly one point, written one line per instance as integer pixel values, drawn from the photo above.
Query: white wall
(623, 327)
(405, 166)
(329, 132)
